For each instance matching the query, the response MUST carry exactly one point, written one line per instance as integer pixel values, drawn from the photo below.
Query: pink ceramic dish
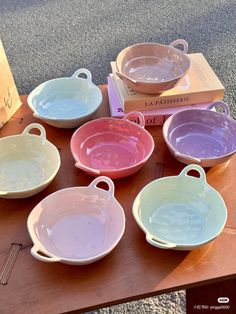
(151, 67)
(200, 136)
(77, 225)
(112, 147)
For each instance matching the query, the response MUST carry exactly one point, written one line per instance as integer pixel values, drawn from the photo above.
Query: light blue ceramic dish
(66, 102)
(180, 212)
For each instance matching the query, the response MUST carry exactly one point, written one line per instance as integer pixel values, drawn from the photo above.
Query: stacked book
(197, 89)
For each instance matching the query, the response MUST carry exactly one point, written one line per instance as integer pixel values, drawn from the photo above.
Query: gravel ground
(49, 39)
(171, 303)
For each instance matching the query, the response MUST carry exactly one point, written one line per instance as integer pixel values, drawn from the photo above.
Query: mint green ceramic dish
(180, 212)
(66, 102)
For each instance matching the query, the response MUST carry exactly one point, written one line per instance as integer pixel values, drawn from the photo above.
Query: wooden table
(134, 269)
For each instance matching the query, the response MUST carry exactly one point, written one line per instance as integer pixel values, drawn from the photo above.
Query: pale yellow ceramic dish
(28, 163)
(180, 212)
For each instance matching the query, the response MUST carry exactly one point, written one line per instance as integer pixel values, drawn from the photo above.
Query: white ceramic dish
(77, 225)
(66, 102)
(28, 163)
(180, 212)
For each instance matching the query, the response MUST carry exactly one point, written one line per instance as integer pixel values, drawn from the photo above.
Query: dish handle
(198, 168)
(35, 126)
(180, 42)
(3, 193)
(105, 179)
(220, 104)
(87, 169)
(193, 159)
(124, 77)
(139, 115)
(83, 71)
(43, 258)
(159, 243)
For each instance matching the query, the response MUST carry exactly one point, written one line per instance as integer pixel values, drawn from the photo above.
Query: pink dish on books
(151, 67)
(77, 225)
(112, 147)
(203, 137)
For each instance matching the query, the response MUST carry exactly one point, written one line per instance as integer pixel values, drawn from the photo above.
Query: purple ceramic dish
(201, 136)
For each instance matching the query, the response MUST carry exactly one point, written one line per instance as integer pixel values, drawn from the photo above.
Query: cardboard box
(152, 117)
(199, 85)
(9, 97)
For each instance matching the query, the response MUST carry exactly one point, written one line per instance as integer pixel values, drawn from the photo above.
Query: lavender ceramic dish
(205, 137)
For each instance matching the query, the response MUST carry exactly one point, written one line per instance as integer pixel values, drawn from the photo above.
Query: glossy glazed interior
(180, 209)
(152, 63)
(65, 98)
(111, 144)
(201, 133)
(26, 162)
(78, 223)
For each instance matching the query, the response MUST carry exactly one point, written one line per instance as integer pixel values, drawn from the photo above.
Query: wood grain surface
(134, 269)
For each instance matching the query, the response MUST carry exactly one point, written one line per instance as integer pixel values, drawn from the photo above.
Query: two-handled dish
(112, 147)
(204, 137)
(28, 163)
(66, 102)
(152, 67)
(77, 225)
(180, 212)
